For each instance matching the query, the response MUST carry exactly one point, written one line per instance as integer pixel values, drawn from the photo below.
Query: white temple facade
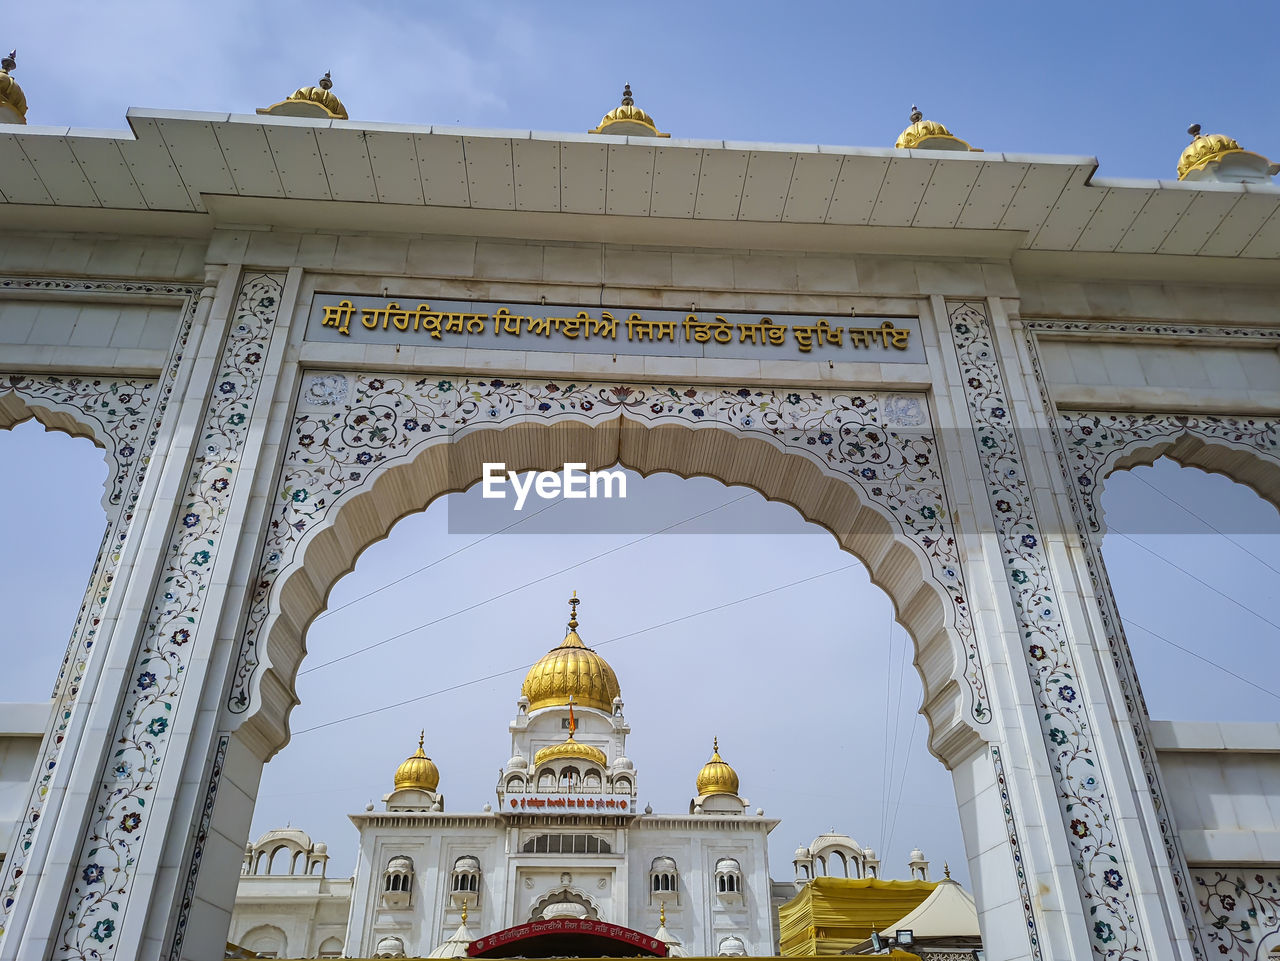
(565, 840)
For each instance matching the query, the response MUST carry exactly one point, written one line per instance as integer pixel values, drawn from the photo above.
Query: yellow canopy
(829, 915)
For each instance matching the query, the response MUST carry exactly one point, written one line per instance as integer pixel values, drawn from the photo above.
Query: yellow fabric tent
(829, 915)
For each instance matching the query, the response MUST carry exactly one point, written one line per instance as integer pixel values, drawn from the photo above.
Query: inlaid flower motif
(859, 402)
(928, 513)
(791, 398)
(364, 457)
(1058, 736)
(146, 680)
(748, 420)
(988, 441)
(922, 459)
(868, 472)
(126, 451)
(998, 413)
(1003, 506)
(743, 392)
(131, 821)
(200, 558)
(698, 412)
(975, 383)
(586, 405)
(1036, 651)
(1102, 931)
(410, 424)
(1228, 902)
(1084, 480)
(180, 636)
(252, 357)
(1079, 828)
(300, 495)
(1067, 693)
(93, 874)
(1112, 879)
(493, 412)
(544, 406)
(267, 301)
(220, 485)
(377, 384)
(103, 930)
(824, 438)
(306, 440)
(235, 420)
(444, 385)
(122, 770)
(157, 726)
(1019, 575)
(190, 520)
(496, 384)
(1029, 540)
(227, 387)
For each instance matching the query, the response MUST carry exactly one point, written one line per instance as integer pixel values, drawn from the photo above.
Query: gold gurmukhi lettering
(702, 331)
(339, 317)
(505, 322)
(822, 331)
(464, 323)
(886, 333)
(763, 332)
(640, 329)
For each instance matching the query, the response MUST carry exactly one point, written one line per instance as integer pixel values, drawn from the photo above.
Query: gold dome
(571, 749)
(628, 120)
(928, 135)
(418, 771)
(717, 777)
(13, 102)
(571, 670)
(318, 101)
(1204, 149)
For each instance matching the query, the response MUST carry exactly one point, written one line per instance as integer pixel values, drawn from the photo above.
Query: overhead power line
(612, 640)
(1200, 657)
(514, 590)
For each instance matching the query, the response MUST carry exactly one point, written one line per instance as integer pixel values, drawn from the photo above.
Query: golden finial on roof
(573, 611)
(318, 102)
(464, 910)
(628, 120)
(1218, 157)
(13, 102)
(928, 135)
(662, 913)
(716, 776)
(946, 869)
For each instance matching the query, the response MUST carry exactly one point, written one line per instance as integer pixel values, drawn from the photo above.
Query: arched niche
(360, 458)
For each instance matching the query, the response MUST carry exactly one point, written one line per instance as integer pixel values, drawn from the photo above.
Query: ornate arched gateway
(910, 348)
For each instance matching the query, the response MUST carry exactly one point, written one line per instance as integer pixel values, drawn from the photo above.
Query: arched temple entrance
(290, 404)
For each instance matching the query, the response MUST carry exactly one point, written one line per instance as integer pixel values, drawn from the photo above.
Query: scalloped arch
(303, 560)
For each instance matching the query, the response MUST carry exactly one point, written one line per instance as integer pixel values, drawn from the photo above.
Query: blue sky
(810, 735)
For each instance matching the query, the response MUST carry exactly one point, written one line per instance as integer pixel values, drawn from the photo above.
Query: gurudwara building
(564, 839)
(287, 330)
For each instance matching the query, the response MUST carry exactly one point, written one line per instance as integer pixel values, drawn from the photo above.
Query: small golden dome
(1204, 149)
(318, 101)
(418, 771)
(717, 777)
(13, 102)
(928, 135)
(571, 749)
(571, 670)
(628, 120)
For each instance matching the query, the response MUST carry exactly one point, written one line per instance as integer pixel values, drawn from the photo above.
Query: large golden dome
(716, 776)
(571, 670)
(418, 771)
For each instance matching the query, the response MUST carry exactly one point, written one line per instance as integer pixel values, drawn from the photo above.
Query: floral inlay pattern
(1089, 444)
(345, 434)
(1100, 863)
(197, 855)
(1241, 909)
(106, 872)
(125, 415)
(1019, 868)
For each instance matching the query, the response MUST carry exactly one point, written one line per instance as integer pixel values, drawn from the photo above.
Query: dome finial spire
(10, 63)
(1194, 130)
(662, 913)
(13, 102)
(326, 82)
(573, 611)
(627, 100)
(715, 744)
(422, 737)
(916, 115)
(464, 910)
